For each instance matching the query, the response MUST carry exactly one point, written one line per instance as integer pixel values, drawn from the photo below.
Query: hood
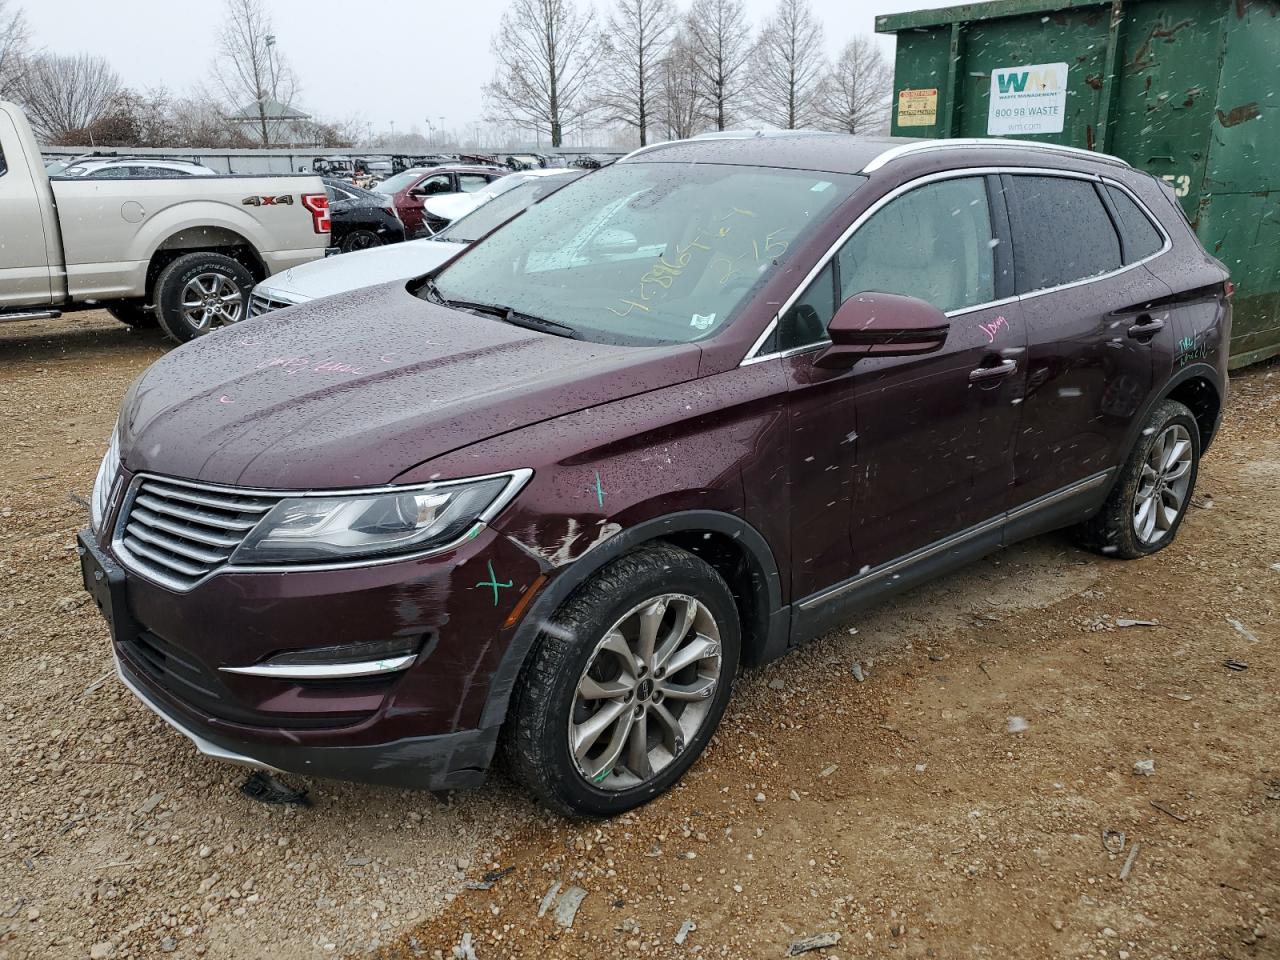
(355, 390)
(451, 206)
(363, 268)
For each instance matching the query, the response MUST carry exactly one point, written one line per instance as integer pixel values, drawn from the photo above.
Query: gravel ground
(120, 840)
(950, 803)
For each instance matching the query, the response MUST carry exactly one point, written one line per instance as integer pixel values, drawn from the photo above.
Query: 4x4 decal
(284, 199)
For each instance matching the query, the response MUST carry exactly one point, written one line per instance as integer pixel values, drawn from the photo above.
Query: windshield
(397, 183)
(503, 207)
(647, 252)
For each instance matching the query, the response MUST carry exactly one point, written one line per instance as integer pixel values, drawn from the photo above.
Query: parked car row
(408, 191)
(325, 278)
(643, 427)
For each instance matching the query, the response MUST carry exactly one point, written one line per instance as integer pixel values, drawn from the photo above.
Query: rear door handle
(1001, 369)
(1147, 326)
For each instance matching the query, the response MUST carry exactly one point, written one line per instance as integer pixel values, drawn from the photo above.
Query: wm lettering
(1018, 82)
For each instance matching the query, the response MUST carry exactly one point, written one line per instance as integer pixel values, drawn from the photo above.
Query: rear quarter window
(1138, 234)
(1061, 231)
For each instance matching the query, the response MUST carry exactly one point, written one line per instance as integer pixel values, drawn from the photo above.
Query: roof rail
(925, 145)
(741, 134)
(132, 158)
(646, 149)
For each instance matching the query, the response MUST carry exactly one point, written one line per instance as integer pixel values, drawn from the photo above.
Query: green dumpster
(1188, 90)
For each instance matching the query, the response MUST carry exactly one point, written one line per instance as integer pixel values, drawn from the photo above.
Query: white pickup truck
(181, 251)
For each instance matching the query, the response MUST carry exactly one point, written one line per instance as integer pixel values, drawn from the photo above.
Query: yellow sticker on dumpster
(918, 108)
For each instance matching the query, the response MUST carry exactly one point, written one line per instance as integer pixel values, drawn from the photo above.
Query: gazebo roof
(273, 109)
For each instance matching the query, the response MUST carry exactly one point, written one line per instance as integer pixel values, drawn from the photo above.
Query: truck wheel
(1146, 506)
(201, 291)
(359, 240)
(133, 314)
(626, 685)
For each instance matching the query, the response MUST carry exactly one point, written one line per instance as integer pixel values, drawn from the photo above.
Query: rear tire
(218, 287)
(133, 314)
(1146, 506)
(359, 240)
(665, 708)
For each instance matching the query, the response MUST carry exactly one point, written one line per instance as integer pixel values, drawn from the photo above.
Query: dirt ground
(952, 802)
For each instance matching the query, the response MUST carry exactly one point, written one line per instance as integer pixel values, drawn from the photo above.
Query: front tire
(199, 292)
(1146, 506)
(626, 685)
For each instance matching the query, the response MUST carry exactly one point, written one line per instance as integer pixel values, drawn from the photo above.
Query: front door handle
(1147, 326)
(1001, 369)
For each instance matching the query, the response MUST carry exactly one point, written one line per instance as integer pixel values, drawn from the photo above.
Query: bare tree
(250, 69)
(789, 67)
(133, 120)
(720, 40)
(64, 94)
(14, 36)
(199, 120)
(545, 52)
(855, 93)
(634, 42)
(681, 89)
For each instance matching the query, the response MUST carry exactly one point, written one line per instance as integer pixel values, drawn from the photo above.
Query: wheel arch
(728, 543)
(1198, 383)
(211, 239)
(1200, 394)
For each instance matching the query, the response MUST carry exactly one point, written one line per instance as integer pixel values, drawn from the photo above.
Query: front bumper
(420, 729)
(446, 762)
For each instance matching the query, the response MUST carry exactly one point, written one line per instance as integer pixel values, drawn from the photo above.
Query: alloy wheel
(646, 691)
(1163, 484)
(211, 299)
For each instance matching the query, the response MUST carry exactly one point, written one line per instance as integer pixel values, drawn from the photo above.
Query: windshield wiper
(433, 292)
(517, 319)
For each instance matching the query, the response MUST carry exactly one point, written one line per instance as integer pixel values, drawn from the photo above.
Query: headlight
(321, 528)
(102, 483)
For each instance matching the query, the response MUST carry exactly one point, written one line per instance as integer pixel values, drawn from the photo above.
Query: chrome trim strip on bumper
(206, 747)
(324, 671)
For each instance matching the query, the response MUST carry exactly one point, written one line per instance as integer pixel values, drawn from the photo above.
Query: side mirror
(883, 325)
(612, 241)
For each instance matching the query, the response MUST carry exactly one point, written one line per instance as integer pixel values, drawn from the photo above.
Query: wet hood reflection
(356, 389)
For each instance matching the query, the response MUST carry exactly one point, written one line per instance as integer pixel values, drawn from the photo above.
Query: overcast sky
(388, 60)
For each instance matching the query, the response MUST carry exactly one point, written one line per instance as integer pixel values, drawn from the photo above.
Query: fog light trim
(325, 671)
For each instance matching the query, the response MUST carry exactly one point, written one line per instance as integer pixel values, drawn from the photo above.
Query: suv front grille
(260, 303)
(177, 534)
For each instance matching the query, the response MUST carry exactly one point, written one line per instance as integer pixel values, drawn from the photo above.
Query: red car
(408, 190)
(679, 416)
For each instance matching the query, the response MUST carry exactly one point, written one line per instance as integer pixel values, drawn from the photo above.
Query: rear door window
(471, 182)
(1061, 231)
(1138, 234)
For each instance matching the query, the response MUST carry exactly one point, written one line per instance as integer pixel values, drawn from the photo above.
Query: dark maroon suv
(675, 418)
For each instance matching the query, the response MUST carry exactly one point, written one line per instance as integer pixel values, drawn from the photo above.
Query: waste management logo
(1030, 99)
